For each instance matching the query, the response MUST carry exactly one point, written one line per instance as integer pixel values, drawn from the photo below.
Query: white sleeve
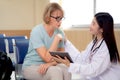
(72, 50)
(99, 63)
(74, 53)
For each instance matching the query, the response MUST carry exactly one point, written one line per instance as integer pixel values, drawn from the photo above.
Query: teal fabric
(39, 38)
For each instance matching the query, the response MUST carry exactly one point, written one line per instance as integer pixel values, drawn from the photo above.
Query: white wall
(21, 14)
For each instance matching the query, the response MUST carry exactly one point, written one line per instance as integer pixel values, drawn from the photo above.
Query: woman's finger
(43, 69)
(58, 57)
(66, 59)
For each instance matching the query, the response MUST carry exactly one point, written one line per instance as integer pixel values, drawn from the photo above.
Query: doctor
(100, 60)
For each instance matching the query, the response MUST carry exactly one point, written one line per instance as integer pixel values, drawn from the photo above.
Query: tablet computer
(62, 55)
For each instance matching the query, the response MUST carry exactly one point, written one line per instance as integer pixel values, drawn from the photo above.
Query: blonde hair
(50, 8)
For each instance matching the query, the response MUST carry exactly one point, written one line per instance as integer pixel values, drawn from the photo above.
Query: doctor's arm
(99, 63)
(74, 53)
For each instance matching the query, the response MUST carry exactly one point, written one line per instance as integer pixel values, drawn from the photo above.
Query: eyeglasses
(58, 18)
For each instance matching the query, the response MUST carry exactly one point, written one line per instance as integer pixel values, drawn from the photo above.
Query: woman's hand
(60, 60)
(43, 68)
(59, 37)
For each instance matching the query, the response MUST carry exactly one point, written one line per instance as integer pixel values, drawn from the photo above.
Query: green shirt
(39, 38)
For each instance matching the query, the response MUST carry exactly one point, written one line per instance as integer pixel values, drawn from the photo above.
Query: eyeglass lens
(57, 18)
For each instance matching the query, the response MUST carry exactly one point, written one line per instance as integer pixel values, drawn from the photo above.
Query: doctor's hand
(60, 60)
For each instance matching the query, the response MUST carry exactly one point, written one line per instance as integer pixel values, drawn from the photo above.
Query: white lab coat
(98, 68)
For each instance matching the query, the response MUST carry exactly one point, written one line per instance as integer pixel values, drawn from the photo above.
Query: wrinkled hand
(43, 68)
(60, 60)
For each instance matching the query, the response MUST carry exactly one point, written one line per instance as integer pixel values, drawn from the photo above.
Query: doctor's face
(94, 27)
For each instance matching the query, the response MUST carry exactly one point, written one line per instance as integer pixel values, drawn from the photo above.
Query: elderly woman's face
(55, 18)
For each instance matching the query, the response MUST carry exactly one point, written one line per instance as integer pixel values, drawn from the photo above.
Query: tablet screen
(62, 55)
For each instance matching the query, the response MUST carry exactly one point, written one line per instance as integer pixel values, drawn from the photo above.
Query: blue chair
(6, 45)
(9, 45)
(3, 47)
(9, 42)
(2, 43)
(21, 48)
(2, 35)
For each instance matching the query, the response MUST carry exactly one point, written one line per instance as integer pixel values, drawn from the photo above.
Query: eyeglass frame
(58, 18)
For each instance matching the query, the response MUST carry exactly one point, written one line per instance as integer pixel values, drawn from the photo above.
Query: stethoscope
(96, 47)
(93, 51)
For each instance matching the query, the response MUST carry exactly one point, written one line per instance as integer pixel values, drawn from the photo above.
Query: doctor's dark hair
(105, 21)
